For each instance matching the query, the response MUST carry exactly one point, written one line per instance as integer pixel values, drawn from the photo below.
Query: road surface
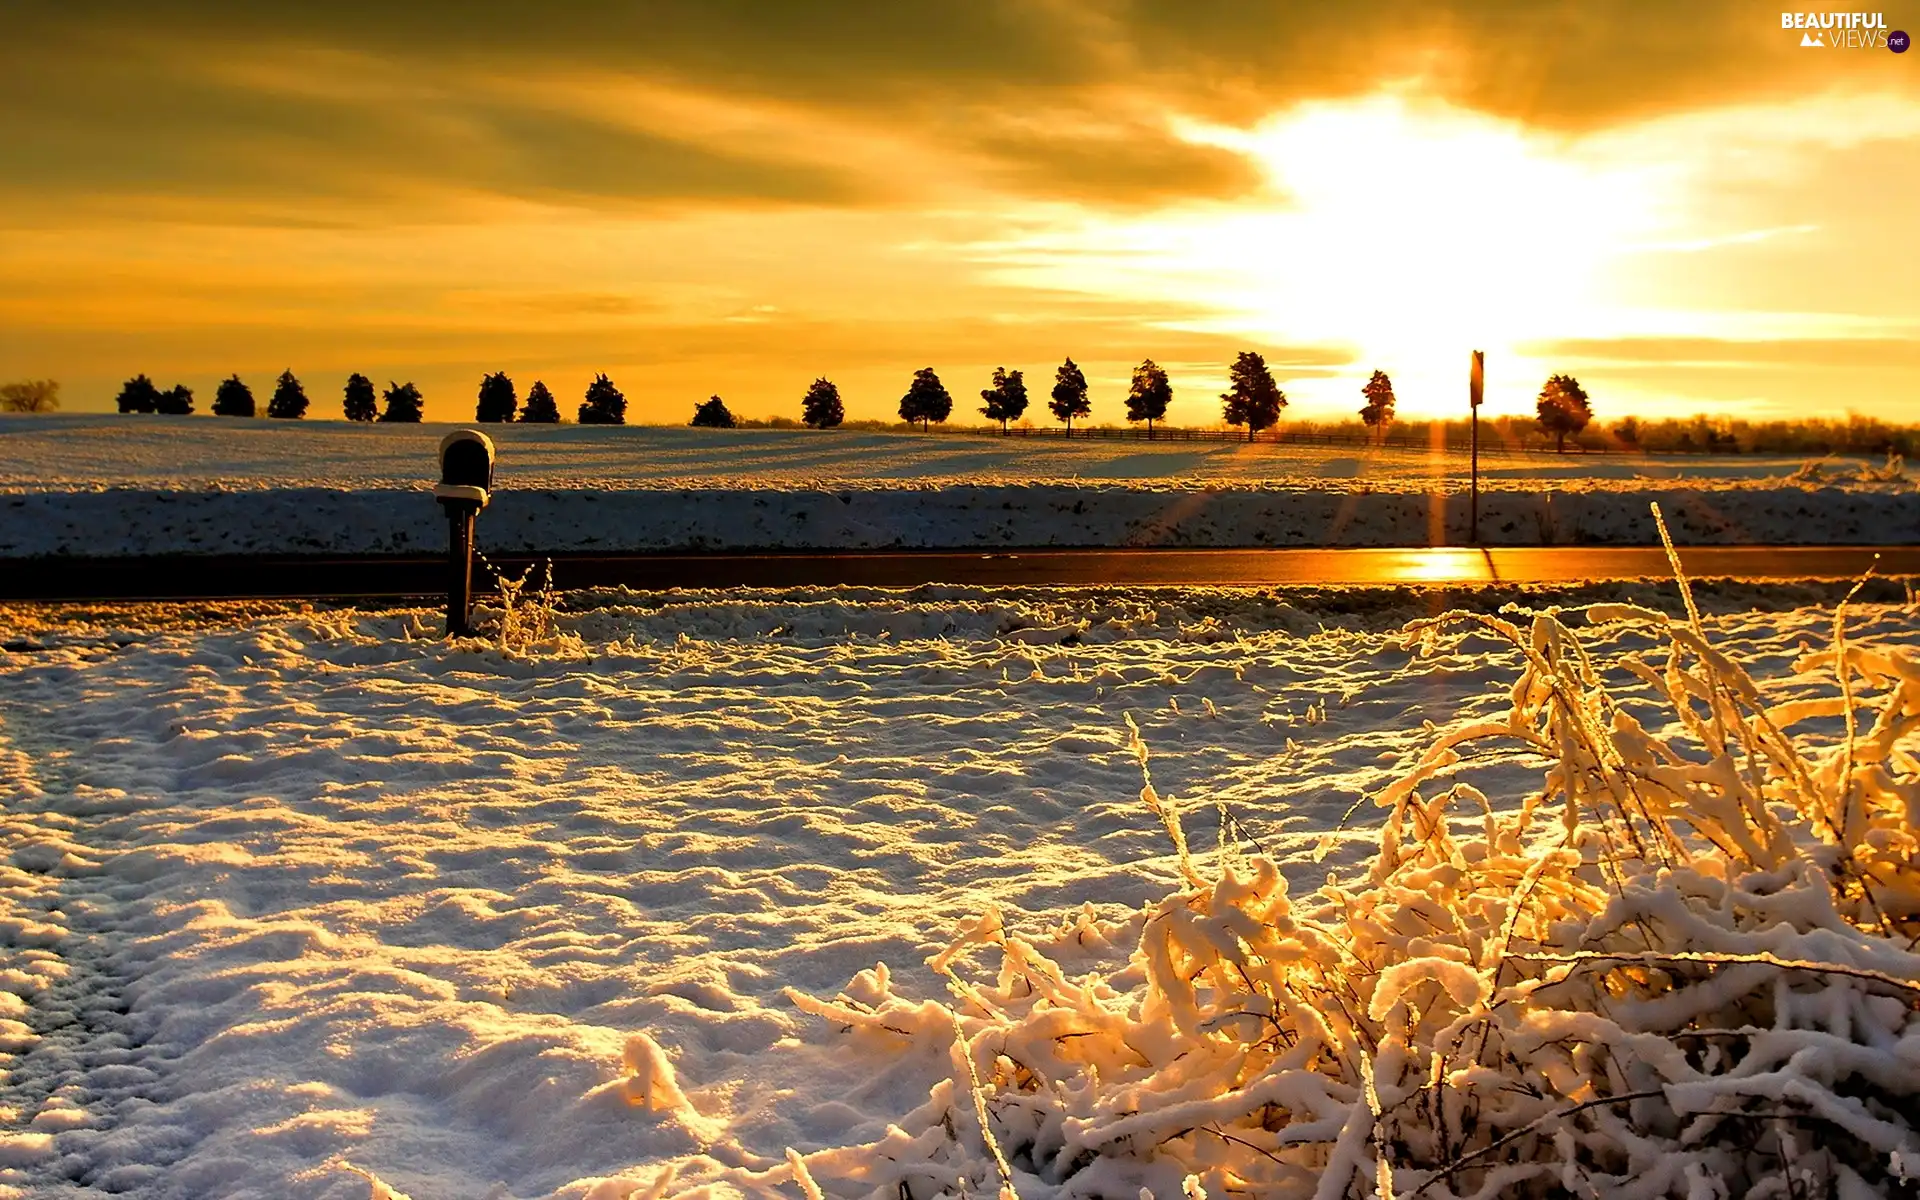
(211, 578)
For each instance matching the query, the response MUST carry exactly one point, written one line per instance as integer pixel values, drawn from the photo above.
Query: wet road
(210, 578)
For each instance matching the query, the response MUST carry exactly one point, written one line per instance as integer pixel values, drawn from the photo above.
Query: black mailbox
(466, 484)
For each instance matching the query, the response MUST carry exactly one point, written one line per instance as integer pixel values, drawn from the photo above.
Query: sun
(1417, 234)
(1411, 232)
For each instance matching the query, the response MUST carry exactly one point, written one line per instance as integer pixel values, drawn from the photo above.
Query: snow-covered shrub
(528, 618)
(1683, 967)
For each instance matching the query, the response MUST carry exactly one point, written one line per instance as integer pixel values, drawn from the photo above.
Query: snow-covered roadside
(98, 485)
(390, 902)
(958, 516)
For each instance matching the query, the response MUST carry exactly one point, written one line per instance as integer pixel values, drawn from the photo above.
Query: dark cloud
(1567, 64)
(1115, 165)
(138, 96)
(157, 124)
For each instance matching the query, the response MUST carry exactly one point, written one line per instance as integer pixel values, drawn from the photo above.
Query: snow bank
(114, 486)
(960, 516)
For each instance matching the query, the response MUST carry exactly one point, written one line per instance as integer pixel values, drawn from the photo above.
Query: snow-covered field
(110, 485)
(289, 892)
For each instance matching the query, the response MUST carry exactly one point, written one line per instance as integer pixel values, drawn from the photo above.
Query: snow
(111, 485)
(293, 893)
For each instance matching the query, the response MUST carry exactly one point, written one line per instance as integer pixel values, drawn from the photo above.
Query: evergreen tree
(1378, 414)
(821, 407)
(604, 404)
(1006, 399)
(233, 398)
(1563, 409)
(176, 402)
(138, 395)
(540, 407)
(289, 399)
(403, 403)
(361, 404)
(497, 398)
(1069, 395)
(712, 415)
(926, 399)
(1150, 394)
(1254, 399)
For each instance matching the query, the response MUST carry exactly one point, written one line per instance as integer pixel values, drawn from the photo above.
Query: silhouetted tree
(1006, 399)
(361, 404)
(926, 399)
(604, 404)
(1563, 409)
(176, 401)
(821, 407)
(30, 396)
(1253, 399)
(1069, 395)
(1150, 394)
(138, 395)
(1378, 414)
(233, 398)
(540, 408)
(403, 403)
(712, 415)
(289, 399)
(497, 398)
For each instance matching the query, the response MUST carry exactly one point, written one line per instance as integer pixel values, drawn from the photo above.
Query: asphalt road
(211, 578)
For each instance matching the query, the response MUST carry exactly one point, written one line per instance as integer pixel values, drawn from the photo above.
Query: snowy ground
(289, 890)
(111, 485)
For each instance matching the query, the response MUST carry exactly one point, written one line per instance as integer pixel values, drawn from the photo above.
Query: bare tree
(30, 396)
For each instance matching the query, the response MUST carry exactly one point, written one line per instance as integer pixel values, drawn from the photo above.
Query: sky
(1681, 205)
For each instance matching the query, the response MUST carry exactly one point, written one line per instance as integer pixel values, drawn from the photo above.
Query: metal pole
(460, 570)
(1476, 386)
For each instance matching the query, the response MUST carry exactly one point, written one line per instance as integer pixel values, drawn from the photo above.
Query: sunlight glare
(1409, 232)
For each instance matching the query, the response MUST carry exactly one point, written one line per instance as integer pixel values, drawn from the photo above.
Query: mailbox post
(466, 479)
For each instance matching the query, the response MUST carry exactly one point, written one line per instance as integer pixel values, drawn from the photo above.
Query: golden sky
(1680, 204)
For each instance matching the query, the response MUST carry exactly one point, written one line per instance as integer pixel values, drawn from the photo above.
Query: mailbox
(466, 468)
(466, 484)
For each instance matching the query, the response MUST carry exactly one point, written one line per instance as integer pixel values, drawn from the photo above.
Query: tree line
(397, 402)
(1253, 400)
